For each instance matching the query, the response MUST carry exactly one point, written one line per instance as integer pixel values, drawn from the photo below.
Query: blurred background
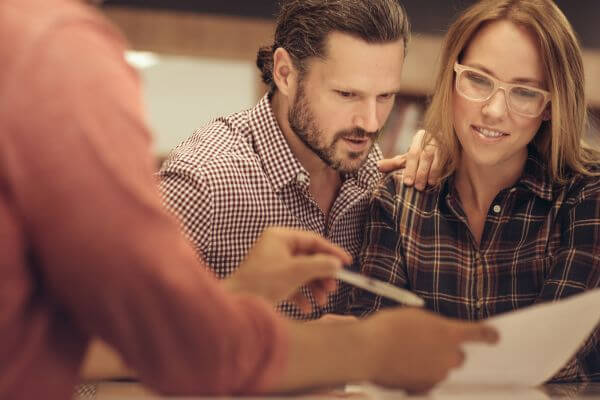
(197, 59)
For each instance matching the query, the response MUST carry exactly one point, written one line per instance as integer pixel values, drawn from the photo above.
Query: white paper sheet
(535, 343)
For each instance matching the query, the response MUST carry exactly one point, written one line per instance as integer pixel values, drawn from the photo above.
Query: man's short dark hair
(304, 25)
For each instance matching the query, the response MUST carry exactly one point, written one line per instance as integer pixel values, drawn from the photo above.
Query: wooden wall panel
(238, 38)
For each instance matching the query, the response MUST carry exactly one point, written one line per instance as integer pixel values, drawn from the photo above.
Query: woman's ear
(285, 74)
(547, 114)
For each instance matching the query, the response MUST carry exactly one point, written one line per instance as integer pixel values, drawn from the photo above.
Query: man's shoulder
(222, 143)
(392, 190)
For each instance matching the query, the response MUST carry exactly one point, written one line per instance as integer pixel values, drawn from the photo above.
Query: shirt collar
(368, 175)
(279, 162)
(535, 176)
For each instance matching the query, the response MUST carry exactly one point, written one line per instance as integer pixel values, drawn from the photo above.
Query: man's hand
(282, 260)
(421, 166)
(417, 349)
(402, 348)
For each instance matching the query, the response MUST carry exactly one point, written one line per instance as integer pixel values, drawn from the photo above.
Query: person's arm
(381, 257)
(402, 348)
(576, 268)
(76, 153)
(186, 194)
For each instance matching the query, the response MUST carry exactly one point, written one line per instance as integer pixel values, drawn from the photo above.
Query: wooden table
(135, 391)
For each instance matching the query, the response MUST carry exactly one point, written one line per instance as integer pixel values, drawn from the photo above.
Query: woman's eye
(526, 93)
(478, 79)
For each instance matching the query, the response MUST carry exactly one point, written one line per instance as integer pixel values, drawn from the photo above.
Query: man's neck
(324, 180)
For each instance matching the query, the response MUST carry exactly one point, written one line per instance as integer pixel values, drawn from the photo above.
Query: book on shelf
(404, 121)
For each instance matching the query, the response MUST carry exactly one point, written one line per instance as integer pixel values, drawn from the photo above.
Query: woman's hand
(421, 165)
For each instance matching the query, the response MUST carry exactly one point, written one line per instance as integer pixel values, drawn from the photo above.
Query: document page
(535, 343)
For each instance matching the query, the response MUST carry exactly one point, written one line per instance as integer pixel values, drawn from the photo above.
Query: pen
(381, 288)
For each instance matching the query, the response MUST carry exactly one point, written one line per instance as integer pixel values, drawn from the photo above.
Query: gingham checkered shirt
(541, 242)
(237, 176)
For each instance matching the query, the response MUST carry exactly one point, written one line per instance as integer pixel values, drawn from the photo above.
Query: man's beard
(303, 123)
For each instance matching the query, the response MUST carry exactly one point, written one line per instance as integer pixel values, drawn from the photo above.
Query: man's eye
(345, 94)
(387, 96)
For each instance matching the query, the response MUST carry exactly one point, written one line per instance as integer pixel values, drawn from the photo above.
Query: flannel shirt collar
(281, 165)
(534, 179)
(535, 176)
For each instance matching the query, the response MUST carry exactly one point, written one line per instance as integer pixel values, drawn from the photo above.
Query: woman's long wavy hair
(560, 139)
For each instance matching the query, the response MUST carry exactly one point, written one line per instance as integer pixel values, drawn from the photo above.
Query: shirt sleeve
(576, 268)
(187, 195)
(77, 157)
(381, 255)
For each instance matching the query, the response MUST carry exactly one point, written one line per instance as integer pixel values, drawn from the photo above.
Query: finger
(392, 164)
(477, 332)
(303, 242)
(410, 168)
(435, 170)
(302, 302)
(321, 297)
(425, 162)
(304, 269)
(330, 285)
(412, 158)
(321, 290)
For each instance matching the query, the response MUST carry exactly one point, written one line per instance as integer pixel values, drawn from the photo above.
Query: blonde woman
(516, 218)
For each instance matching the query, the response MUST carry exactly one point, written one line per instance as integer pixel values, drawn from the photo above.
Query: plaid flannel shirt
(541, 242)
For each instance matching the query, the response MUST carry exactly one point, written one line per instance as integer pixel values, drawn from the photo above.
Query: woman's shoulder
(581, 186)
(393, 190)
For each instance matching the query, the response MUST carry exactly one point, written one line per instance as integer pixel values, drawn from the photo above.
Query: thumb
(319, 266)
(477, 332)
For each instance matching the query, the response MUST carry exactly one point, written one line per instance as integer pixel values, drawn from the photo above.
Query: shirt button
(497, 208)
(301, 177)
(479, 304)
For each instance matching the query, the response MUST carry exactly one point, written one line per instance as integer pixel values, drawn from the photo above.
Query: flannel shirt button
(497, 208)
(479, 304)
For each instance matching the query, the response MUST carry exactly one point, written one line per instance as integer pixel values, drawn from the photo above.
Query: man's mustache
(357, 133)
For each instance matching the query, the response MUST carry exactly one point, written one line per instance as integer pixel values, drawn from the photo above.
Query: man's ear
(285, 74)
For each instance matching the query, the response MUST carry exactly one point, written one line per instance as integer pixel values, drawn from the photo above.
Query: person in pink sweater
(86, 251)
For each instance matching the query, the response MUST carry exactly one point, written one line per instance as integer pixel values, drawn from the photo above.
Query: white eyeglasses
(475, 85)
